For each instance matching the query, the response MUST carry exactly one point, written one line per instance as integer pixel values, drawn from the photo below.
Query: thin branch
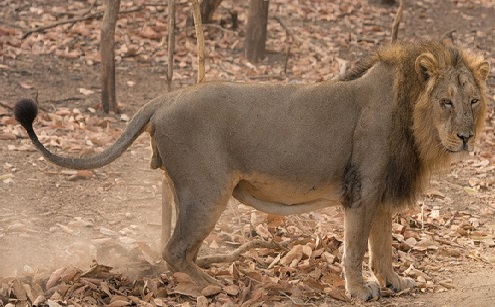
(397, 18)
(212, 25)
(207, 261)
(10, 25)
(289, 39)
(171, 43)
(6, 106)
(96, 15)
(296, 303)
(90, 8)
(267, 77)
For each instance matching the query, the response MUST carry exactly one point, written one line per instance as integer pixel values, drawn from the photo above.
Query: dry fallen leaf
(55, 277)
(85, 91)
(188, 288)
(25, 85)
(148, 32)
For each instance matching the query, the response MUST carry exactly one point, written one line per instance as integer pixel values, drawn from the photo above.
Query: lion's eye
(474, 101)
(447, 103)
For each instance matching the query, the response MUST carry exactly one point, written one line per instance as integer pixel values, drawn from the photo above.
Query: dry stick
(290, 39)
(6, 106)
(198, 25)
(207, 261)
(89, 9)
(271, 76)
(171, 43)
(295, 302)
(397, 18)
(212, 25)
(63, 22)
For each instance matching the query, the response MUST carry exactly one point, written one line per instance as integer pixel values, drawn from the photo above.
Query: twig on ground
(74, 20)
(207, 261)
(296, 303)
(6, 106)
(11, 25)
(212, 25)
(264, 77)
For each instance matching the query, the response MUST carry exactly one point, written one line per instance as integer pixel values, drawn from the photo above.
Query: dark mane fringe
(404, 174)
(407, 172)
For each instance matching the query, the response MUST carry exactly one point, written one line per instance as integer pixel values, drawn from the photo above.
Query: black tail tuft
(25, 111)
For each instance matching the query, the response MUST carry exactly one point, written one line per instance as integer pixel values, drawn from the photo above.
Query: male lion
(368, 142)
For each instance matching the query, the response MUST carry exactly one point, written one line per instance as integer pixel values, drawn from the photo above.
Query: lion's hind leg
(199, 206)
(380, 246)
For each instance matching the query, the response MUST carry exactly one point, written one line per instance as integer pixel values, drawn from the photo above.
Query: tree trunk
(107, 52)
(256, 30)
(208, 7)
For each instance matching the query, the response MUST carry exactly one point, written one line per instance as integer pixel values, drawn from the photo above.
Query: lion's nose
(465, 136)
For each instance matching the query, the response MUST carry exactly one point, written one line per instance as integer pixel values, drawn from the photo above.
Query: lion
(368, 142)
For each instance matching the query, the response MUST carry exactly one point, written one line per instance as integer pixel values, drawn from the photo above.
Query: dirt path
(49, 218)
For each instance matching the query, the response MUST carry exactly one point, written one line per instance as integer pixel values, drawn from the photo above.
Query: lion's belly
(284, 197)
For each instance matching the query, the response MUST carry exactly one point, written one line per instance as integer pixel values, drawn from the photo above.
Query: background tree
(208, 7)
(256, 30)
(107, 40)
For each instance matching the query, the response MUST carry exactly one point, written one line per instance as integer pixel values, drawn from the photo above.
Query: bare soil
(49, 219)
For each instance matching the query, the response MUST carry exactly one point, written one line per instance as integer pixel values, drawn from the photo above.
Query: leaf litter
(307, 266)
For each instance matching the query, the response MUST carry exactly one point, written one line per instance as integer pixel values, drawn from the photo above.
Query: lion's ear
(425, 66)
(448, 40)
(482, 70)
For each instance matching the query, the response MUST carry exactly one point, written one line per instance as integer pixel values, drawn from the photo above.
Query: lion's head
(450, 111)
(439, 109)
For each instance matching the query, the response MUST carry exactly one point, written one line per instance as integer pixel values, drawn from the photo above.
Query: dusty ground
(49, 219)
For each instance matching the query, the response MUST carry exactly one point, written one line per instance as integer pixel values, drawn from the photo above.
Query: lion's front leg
(357, 224)
(380, 246)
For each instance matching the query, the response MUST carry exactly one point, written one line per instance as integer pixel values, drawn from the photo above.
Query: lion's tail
(26, 110)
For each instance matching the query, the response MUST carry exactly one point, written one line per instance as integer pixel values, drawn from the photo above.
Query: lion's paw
(365, 292)
(398, 283)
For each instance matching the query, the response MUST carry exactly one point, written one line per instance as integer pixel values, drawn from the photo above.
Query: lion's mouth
(461, 148)
(458, 148)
